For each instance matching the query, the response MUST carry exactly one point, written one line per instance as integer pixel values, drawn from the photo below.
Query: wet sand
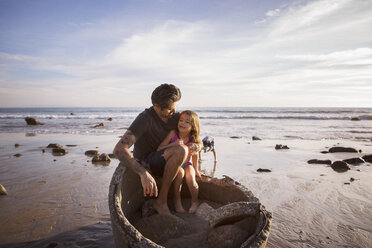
(63, 203)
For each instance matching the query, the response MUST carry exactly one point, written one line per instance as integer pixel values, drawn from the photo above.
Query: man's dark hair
(164, 94)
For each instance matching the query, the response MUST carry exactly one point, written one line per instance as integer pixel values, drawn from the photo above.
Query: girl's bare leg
(193, 187)
(177, 185)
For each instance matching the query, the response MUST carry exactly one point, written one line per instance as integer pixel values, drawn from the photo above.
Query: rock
(226, 236)
(103, 158)
(43, 150)
(17, 155)
(367, 158)
(263, 170)
(54, 146)
(92, 153)
(59, 151)
(162, 227)
(3, 190)
(16, 145)
(32, 121)
(204, 211)
(255, 138)
(355, 119)
(109, 119)
(148, 208)
(72, 113)
(235, 137)
(317, 161)
(280, 146)
(100, 125)
(324, 152)
(352, 179)
(354, 161)
(340, 166)
(342, 149)
(71, 145)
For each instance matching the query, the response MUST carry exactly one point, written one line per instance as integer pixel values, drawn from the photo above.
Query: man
(146, 133)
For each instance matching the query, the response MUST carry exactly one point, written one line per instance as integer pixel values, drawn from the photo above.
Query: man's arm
(125, 157)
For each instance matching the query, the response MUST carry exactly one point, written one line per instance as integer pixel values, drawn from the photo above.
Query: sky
(235, 53)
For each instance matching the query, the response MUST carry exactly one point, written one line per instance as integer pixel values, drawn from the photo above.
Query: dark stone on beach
(235, 137)
(33, 121)
(162, 227)
(347, 183)
(263, 170)
(226, 236)
(255, 138)
(71, 145)
(54, 160)
(352, 179)
(354, 161)
(52, 245)
(92, 153)
(342, 149)
(109, 119)
(340, 166)
(280, 146)
(3, 190)
(317, 161)
(43, 150)
(355, 119)
(324, 152)
(367, 158)
(103, 158)
(72, 113)
(17, 155)
(100, 125)
(54, 146)
(59, 151)
(16, 145)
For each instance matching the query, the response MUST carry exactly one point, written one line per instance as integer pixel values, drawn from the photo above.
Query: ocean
(266, 123)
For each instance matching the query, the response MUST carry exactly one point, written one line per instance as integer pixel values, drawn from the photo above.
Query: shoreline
(310, 203)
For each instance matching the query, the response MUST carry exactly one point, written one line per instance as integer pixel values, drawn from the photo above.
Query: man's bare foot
(161, 208)
(178, 206)
(194, 207)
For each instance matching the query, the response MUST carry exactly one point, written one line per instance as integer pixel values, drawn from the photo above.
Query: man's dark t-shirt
(150, 131)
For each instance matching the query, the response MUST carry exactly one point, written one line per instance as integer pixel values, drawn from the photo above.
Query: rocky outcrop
(355, 119)
(354, 161)
(59, 151)
(340, 166)
(32, 121)
(367, 158)
(255, 138)
(109, 119)
(103, 158)
(317, 161)
(51, 145)
(100, 125)
(280, 147)
(342, 149)
(92, 153)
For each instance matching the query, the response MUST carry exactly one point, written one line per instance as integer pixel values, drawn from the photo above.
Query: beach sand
(63, 203)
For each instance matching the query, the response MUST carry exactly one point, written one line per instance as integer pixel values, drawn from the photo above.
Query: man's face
(167, 112)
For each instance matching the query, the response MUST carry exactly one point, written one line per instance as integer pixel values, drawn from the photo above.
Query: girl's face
(184, 123)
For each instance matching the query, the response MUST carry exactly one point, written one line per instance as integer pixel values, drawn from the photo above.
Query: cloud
(308, 48)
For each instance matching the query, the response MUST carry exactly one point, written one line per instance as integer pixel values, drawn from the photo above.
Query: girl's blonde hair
(195, 126)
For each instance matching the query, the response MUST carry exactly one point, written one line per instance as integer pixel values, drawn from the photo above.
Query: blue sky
(219, 53)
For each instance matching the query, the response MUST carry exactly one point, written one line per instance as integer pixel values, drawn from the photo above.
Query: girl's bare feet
(179, 208)
(194, 207)
(161, 209)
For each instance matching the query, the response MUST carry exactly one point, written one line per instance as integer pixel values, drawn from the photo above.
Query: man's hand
(148, 184)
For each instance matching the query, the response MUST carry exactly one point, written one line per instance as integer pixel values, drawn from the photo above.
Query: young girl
(188, 131)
